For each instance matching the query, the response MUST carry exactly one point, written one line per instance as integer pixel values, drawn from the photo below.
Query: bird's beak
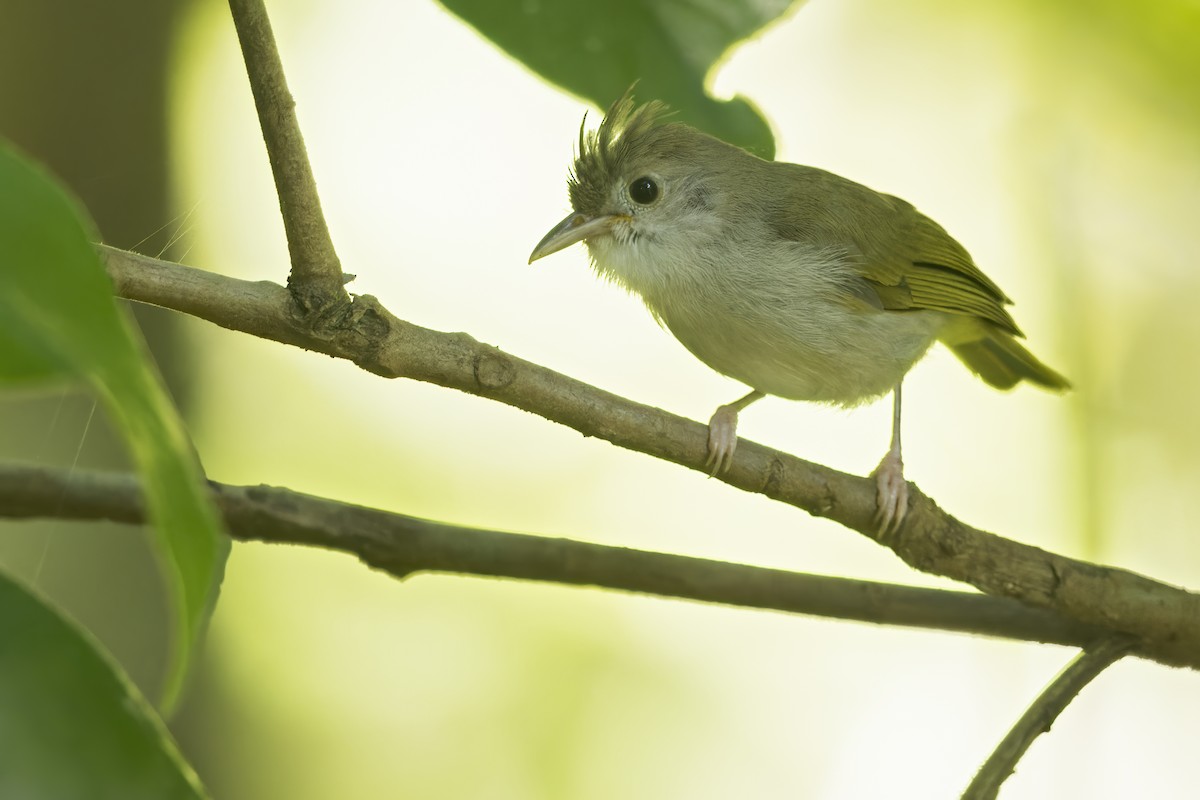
(574, 228)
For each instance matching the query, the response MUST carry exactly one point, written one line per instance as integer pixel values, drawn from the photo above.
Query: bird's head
(641, 188)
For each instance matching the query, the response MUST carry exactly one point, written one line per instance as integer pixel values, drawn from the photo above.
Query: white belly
(823, 353)
(791, 330)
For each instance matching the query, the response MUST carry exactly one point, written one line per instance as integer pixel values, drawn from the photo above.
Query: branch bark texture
(1165, 620)
(402, 545)
(1042, 713)
(316, 278)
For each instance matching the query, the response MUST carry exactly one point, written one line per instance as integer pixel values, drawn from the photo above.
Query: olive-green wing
(921, 266)
(906, 259)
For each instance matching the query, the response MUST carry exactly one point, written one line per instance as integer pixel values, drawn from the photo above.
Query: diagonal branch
(1165, 619)
(316, 278)
(1038, 718)
(402, 545)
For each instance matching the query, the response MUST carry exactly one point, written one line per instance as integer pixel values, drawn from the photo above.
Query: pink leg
(891, 490)
(722, 433)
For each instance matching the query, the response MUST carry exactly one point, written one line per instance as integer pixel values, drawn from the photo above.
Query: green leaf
(596, 50)
(58, 318)
(24, 362)
(72, 725)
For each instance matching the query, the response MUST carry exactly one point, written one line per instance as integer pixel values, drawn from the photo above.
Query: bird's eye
(644, 191)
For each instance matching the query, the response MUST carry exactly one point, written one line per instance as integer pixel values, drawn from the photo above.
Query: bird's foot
(722, 439)
(891, 494)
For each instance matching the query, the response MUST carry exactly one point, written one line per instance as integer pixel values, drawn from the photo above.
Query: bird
(795, 281)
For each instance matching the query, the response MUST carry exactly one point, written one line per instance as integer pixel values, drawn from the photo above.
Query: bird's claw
(722, 440)
(891, 494)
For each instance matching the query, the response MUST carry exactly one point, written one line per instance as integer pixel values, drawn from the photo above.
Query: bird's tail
(1002, 361)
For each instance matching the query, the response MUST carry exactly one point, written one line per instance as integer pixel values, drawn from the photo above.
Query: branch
(402, 545)
(1165, 619)
(316, 278)
(1042, 714)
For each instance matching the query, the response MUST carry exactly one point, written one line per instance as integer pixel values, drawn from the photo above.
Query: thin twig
(402, 545)
(1042, 714)
(1165, 619)
(316, 278)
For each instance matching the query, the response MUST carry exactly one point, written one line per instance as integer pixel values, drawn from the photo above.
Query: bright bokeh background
(1061, 150)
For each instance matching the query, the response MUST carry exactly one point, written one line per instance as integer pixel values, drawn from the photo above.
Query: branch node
(771, 486)
(492, 370)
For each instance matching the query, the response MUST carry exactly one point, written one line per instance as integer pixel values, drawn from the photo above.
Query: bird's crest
(602, 151)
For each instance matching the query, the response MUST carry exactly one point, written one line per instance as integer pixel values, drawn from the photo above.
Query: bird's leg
(722, 433)
(891, 490)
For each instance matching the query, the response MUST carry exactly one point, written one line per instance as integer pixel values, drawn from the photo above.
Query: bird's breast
(783, 322)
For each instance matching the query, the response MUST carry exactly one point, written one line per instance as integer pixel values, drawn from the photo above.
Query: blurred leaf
(23, 361)
(1160, 37)
(58, 318)
(596, 50)
(72, 725)
(1158, 399)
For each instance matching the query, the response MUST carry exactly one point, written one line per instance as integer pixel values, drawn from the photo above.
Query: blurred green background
(1058, 142)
